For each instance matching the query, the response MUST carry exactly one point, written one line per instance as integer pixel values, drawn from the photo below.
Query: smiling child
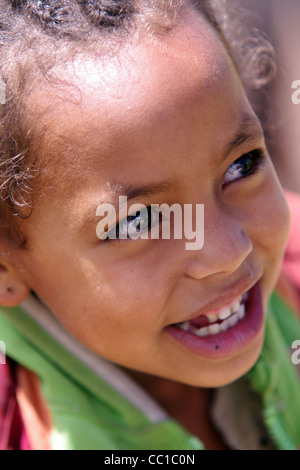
(121, 344)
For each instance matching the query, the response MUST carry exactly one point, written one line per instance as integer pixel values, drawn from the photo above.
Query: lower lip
(232, 341)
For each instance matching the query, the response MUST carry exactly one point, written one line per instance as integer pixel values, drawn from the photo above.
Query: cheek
(121, 302)
(270, 231)
(273, 219)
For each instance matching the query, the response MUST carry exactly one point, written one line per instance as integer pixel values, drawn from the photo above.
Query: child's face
(169, 115)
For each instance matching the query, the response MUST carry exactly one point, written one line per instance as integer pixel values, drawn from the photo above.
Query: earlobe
(13, 289)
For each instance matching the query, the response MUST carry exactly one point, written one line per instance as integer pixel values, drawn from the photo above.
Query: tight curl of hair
(35, 34)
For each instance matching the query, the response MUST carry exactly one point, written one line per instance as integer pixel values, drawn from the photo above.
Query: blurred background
(280, 20)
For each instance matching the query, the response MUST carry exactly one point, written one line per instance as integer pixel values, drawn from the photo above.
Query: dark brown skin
(165, 110)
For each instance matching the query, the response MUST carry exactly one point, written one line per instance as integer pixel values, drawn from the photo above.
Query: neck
(188, 405)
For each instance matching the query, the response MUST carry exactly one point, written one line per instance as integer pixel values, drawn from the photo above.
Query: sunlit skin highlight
(168, 117)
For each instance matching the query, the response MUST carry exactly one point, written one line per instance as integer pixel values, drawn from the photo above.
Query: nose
(226, 246)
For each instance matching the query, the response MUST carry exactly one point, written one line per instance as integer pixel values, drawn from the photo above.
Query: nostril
(222, 255)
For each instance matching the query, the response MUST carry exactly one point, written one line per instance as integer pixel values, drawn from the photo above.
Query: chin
(222, 373)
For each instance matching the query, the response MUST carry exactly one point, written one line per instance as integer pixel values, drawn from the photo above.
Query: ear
(13, 290)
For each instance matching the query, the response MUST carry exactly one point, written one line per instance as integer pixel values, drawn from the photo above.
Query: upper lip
(228, 295)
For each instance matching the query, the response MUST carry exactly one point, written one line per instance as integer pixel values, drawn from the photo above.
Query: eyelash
(257, 157)
(132, 218)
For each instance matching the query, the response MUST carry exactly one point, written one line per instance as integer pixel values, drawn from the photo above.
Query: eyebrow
(131, 192)
(149, 190)
(249, 130)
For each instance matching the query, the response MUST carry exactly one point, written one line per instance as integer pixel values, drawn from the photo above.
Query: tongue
(200, 321)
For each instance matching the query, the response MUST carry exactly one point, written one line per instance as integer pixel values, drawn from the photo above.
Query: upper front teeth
(229, 317)
(225, 312)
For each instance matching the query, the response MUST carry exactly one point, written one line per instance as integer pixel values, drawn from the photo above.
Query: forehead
(100, 109)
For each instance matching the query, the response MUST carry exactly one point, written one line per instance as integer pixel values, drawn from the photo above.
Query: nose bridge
(226, 244)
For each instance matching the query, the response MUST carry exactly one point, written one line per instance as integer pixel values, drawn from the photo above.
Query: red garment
(12, 431)
(291, 265)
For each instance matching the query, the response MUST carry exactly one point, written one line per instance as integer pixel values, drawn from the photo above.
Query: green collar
(103, 409)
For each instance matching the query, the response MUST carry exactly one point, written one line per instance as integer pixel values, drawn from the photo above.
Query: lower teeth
(215, 328)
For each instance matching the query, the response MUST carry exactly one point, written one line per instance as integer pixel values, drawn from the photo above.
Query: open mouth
(217, 322)
(226, 331)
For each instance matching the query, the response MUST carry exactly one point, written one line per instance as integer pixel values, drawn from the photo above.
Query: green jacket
(94, 406)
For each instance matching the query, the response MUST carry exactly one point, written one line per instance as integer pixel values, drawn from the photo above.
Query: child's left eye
(244, 166)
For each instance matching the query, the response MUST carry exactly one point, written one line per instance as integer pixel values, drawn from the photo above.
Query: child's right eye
(138, 223)
(135, 226)
(244, 166)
